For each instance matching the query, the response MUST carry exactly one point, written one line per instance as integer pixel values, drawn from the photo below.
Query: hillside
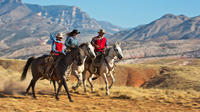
(167, 27)
(26, 27)
(169, 36)
(134, 50)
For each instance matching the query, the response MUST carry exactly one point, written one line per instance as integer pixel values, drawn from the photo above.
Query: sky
(128, 13)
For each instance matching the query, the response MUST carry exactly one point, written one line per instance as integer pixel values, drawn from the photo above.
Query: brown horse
(60, 73)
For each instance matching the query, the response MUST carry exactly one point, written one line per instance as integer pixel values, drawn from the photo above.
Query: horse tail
(28, 63)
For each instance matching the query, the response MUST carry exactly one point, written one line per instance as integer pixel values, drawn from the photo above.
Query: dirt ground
(156, 100)
(90, 102)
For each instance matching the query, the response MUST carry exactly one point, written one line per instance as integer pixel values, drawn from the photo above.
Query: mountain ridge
(30, 25)
(167, 27)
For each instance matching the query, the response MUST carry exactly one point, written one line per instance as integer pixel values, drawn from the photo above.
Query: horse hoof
(71, 100)
(107, 94)
(74, 88)
(85, 91)
(35, 98)
(57, 98)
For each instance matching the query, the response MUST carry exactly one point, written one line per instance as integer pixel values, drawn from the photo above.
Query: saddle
(47, 62)
(96, 63)
(98, 60)
(45, 59)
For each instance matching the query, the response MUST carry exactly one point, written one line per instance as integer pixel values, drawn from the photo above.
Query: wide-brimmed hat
(75, 32)
(59, 35)
(101, 31)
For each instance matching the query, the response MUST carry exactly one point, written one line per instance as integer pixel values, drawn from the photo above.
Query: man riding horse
(100, 43)
(56, 51)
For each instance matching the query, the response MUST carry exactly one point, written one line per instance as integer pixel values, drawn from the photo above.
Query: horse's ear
(117, 43)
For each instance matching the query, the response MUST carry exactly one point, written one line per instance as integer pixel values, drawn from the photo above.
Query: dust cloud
(12, 87)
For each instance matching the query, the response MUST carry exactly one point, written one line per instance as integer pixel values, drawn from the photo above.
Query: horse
(78, 69)
(106, 67)
(59, 74)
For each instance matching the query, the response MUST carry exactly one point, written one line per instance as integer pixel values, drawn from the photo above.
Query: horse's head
(88, 49)
(118, 50)
(78, 55)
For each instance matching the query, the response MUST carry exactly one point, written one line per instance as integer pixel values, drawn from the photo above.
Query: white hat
(59, 35)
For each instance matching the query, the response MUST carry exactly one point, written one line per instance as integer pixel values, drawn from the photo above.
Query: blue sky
(129, 13)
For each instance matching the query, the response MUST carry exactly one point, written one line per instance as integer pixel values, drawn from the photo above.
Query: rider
(57, 45)
(57, 50)
(100, 43)
(72, 41)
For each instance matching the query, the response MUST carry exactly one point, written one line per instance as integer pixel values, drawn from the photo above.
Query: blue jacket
(71, 42)
(53, 45)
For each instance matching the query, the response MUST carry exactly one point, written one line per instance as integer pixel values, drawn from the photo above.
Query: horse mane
(107, 51)
(83, 44)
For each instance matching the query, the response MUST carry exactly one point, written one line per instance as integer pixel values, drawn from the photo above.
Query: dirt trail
(90, 102)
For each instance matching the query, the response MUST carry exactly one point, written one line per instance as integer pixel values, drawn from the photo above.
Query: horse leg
(66, 89)
(54, 85)
(33, 87)
(106, 81)
(59, 87)
(90, 82)
(79, 78)
(30, 85)
(113, 80)
(84, 81)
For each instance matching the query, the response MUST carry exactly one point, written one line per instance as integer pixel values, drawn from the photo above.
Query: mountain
(25, 28)
(168, 36)
(11, 1)
(189, 29)
(168, 27)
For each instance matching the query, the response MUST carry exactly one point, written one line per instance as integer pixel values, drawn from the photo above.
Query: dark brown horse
(60, 73)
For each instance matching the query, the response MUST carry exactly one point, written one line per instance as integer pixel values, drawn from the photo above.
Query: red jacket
(58, 48)
(101, 42)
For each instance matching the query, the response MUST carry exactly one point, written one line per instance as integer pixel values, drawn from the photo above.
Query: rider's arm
(93, 41)
(74, 42)
(54, 38)
(63, 51)
(77, 43)
(106, 43)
